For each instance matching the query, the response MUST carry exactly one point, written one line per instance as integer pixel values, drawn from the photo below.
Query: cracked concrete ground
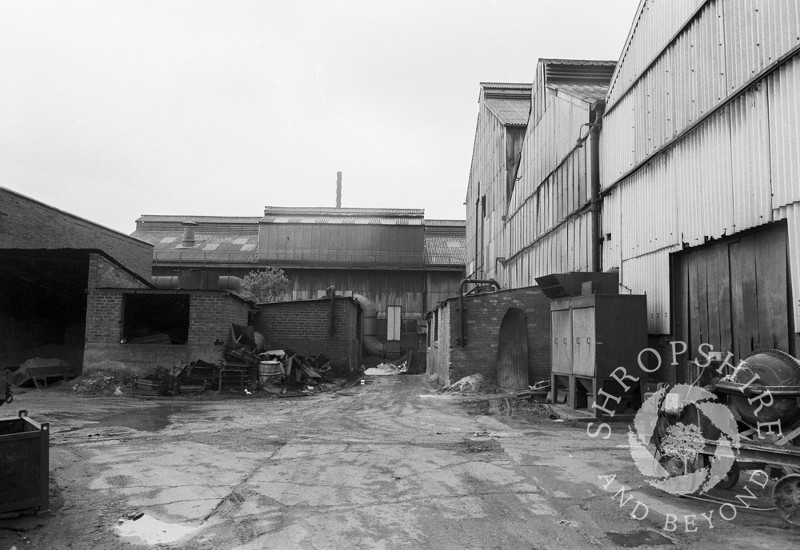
(390, 464)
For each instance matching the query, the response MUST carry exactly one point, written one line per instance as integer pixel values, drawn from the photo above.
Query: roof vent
(188, 234)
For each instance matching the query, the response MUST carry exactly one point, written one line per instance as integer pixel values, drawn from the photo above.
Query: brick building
(80, 292)
(492, 331)
(48, 261)
(327, 325)
(142, 327)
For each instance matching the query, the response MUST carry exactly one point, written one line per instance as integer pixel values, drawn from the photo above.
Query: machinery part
(730, 479)
(773, 368)
(786, 496)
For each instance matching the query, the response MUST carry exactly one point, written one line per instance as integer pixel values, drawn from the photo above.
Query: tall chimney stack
(338, 189)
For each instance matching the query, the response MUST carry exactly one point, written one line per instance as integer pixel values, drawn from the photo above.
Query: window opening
(155, 319)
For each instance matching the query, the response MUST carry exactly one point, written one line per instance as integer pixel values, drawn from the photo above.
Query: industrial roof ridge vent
(562, 285)
(350, 212)
(198, 219)
(578, 71)
(510, 90)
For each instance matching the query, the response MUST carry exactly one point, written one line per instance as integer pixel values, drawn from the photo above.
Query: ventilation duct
(369, 326)
(196, 280)
(188, 234)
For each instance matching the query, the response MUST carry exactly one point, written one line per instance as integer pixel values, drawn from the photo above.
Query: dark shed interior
(42, 304)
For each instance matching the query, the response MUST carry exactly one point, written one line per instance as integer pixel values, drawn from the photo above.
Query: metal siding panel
(752, 200)
(611, 225)
(657, 22)
(649, 274)
(792, 215)
(784, 133)
(647, 210)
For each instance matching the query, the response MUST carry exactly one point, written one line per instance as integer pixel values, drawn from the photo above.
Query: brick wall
(305, 327)
(26, 223)
(211, 313)
(104, 273)
(484, 314)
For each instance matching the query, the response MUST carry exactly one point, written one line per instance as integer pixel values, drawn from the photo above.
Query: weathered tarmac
(390, 464)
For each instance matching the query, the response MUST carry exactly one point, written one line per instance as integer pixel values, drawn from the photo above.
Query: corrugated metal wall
(384, 288)
(565, 249)
(654, 24)
(288, 244)
(724, 162)
(546, 232)
(487, 177)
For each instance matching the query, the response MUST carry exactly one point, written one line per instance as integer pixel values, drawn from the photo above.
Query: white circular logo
(667, 444)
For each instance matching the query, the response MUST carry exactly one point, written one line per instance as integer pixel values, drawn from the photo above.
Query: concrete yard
(387, 464)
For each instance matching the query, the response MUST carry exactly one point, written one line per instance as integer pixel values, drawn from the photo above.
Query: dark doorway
(512, 351)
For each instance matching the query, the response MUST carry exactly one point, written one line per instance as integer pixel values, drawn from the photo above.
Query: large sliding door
(734, 294)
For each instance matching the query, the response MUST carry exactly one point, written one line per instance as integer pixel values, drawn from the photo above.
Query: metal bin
(24, 464)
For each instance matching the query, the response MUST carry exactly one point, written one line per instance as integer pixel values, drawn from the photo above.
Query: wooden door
(512, 351)
(733, 295)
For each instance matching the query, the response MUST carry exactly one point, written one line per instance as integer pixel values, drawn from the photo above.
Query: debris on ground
(387, 369)
(105, 379)
(474, 383)
(245, 368)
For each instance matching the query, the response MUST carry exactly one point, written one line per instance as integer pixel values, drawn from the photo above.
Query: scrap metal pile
(245, 367)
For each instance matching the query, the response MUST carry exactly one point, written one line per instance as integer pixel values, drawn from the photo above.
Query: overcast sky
(113, 109)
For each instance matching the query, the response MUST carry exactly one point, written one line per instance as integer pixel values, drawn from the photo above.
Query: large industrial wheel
(786, 496)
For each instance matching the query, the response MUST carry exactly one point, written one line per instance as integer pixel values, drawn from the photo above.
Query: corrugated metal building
(393, 257)
(531, 181)
(549, 219)
(700, 164)
(502, 116)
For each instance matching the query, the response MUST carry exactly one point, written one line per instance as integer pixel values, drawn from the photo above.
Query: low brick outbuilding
(454, 352)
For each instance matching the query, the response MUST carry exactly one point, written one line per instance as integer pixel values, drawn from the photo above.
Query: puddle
(151, 419)
(154, 531)
(639, 538)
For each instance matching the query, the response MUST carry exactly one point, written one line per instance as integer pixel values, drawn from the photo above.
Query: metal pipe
(462, 327)
(594, 162)
(331, 291)
(369, 329)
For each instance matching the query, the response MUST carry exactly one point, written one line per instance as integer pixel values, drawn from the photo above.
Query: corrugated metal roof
(208, 247)
(445, 249)
(587, 92)
(199, 219)
(518, 86)
(445, 223)
(510, 111)
(509, 101)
